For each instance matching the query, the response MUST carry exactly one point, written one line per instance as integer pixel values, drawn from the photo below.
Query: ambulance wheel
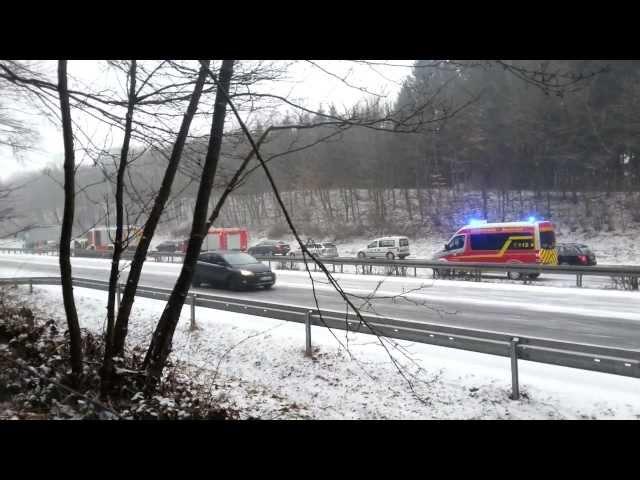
(533, 276)
(514, 275)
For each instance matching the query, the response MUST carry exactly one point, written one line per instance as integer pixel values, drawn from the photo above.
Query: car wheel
(514, 275)
(361, 255)
(533, 276)
(390, 256)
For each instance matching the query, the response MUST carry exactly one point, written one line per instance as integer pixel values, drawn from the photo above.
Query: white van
(386, 247)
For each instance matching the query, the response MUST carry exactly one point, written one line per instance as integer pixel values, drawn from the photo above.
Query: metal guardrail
(610, 360)
(126, 255)
(629, 273)
(475, 268)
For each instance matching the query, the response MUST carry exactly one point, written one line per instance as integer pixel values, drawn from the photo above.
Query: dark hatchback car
(168, 246)
(575, 254)
(270, 247)
(234, 270)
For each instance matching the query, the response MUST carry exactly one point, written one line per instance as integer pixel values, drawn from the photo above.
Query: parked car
(324, 249)
(232, 269)
(270, 247)
(168, 246)
(386, 247)
(575, 254)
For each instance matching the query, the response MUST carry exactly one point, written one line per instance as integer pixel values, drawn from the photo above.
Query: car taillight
(583, 258)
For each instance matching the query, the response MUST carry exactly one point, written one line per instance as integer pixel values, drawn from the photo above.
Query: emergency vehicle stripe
(549, 256)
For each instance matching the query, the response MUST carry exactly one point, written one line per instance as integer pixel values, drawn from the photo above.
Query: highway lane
(571, 314)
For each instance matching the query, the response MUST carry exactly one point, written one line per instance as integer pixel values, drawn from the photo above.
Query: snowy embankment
(258, 365)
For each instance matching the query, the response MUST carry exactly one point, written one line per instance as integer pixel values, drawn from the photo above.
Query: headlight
(246, 273)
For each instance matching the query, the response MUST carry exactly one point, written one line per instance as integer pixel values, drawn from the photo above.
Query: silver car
(386, 247)
(325, 249)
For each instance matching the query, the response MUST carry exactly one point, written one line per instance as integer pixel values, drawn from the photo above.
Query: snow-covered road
(610, 318)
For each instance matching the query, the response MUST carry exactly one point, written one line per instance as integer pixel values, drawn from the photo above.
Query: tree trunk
(485, 212)
(107, 366)
(421, 205)
(75, 338)
(548, 204)
(355, 205)
(408, 203)
(128, 296)
(160, 346)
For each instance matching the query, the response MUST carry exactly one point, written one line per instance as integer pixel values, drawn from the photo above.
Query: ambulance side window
(456, 243)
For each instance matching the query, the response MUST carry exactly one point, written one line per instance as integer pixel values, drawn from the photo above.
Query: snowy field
(258, 365)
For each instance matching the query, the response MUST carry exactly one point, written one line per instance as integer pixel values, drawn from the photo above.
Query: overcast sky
(305, 81)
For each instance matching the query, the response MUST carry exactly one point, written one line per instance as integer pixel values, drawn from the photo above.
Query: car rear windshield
(547, 240)
(404, 242)
(584, 250)
(239, 259)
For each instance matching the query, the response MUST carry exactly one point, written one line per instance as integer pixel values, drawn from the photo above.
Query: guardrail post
(515, 388)
(30, 285)
(307, 328)
(578, 280)
(193, 325)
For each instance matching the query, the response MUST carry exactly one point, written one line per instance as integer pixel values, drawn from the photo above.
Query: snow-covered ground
(258, 365)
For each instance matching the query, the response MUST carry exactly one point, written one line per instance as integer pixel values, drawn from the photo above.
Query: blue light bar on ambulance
(474, 222)
(531, 219)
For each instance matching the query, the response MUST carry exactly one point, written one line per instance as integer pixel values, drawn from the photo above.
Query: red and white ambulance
(532, 241)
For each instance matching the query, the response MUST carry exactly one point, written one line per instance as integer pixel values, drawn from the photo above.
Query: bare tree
(160, 346)
(67, 226)
(128, 297)
(118, 241)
